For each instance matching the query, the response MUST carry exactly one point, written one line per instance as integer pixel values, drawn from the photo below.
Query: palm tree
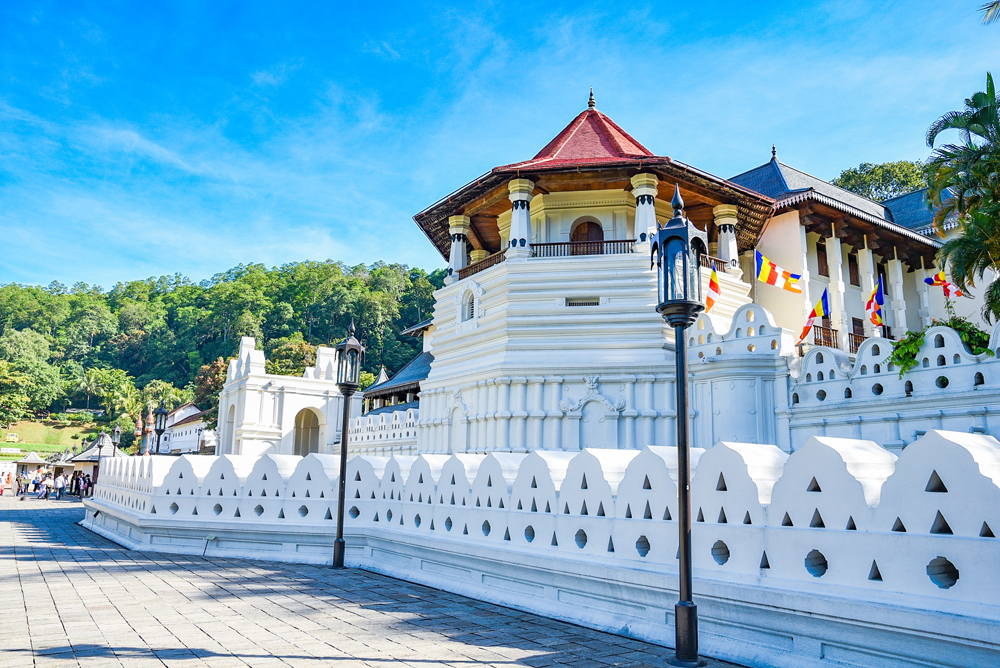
(90, 383)
(991, 11)
(974, 254)
(962, 177)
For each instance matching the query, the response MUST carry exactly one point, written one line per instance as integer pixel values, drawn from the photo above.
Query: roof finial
(590, 103)
(774, 152)
(677, 202)
(350, 330)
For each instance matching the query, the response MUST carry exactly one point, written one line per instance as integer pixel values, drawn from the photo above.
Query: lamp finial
(677, 202)
(350, 330)
(590, 103)
(774, 152)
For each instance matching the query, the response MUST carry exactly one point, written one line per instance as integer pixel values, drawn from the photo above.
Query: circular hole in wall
(416, 521)
(642, 546)
(486, 528)
(821, 395)
(258, 510)
(303, 511)
(816, 563)
(942, 572)
(529, 534)
(173, 508)
(354, 512)
(581, 538)
(720, 552)
(876, 389)
(941, 382)
(448, 524)
(751, 347)
(388, 515)
(217, 509)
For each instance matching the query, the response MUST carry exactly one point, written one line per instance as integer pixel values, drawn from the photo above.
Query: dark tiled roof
(393, 409)
(418, 329)
(415, 371)
(913, 211)
(789, 186)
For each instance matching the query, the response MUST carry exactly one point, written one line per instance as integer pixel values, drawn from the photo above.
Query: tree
(172, 397)
(13, 394)
(208, 384)
(964, 183)
(90, 384)
(290, 356)
(990, 11)
(884, 181)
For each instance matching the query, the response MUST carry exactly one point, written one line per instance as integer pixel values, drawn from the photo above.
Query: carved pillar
(478, 255)
(924, 292)
(458, 227)
(503, 414)
(630, 413)
(644, 189)
(491, 412)
(807, 302)
(518, 414)
(648, 413)
(554, 416)
(536, 413)
(520, 218)
(725, 223)
(482, 411)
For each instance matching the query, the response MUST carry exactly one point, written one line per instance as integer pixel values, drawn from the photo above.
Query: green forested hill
(169, 338)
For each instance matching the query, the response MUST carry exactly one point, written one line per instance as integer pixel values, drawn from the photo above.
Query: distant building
(187, 431)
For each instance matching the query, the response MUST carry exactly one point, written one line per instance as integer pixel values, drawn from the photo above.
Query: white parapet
(838, 551)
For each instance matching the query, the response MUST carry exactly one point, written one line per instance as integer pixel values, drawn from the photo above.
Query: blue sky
(145, 138)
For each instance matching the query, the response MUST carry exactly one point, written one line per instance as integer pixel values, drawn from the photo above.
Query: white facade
(186, 431)
(261, 413)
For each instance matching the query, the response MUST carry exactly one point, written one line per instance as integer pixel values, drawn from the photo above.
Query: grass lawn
(46, 437)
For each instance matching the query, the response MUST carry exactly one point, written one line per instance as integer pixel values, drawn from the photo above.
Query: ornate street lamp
(349, 354)
(161, 423)
(116, 434)
(677, 249)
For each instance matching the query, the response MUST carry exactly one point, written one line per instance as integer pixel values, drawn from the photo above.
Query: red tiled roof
(591, 138)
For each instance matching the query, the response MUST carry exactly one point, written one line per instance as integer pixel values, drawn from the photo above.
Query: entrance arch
(307, 432)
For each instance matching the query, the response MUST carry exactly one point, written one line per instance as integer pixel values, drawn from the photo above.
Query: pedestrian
(60, 484)
(34, 482)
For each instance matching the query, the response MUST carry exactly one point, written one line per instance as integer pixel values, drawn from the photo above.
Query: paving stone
(73, 598)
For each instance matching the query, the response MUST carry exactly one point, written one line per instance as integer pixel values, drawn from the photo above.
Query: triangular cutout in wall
(666, 514)
(817, 520)
(746, 518)
(329, 515)
(534, 485)
(721, 485)
(940, 525)
(701, 516)
(764, 562)
(722, 516)
(600, 509)
(986, 531)
(898, 526)
(611, 544)
(934, 483)
(583, 485)
(628, 511)
(281, 514)
(851, 526)
(874, 574)
(534, 506)
(786, 521)
(813, 486)
(645, 483)
(648, 513)
(506, 533)
(583, 510)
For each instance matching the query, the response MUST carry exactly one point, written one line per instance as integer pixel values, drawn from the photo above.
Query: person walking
(60, 484)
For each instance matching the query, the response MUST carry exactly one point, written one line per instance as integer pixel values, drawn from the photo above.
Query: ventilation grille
(584, 301)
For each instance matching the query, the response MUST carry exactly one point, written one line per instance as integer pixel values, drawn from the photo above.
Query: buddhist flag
(873, 308)
(820, 311)
(950, 289)
(770, 273)
(713, 291)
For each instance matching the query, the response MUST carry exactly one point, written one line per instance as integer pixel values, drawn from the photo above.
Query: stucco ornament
(593, 394)
(456, 400)
(476, 291)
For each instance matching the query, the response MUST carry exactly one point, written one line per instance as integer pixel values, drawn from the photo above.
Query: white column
(491, 413)
(644, 188)
(648, 412)
(518, 414)
(925, 296)
(897, 304)
(536, 412)
(458, 227)
(630, 413)
(807, 301)
(520, 218)
(725, 223)
(866, 265)
(835, 260)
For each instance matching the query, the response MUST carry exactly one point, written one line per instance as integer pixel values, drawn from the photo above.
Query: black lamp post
(677, 249)
(349, 353)
(116, 435)
(160, 415)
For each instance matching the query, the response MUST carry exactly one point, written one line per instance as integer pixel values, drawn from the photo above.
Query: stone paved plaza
(71, 598)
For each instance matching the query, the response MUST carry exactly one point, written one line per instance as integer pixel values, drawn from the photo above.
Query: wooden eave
(484, 199)
(856, 228)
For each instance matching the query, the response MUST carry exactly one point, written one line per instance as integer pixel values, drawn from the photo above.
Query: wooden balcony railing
(710, 262)
(572, 248)
(824, 336)
(855, 341)
(485, 263)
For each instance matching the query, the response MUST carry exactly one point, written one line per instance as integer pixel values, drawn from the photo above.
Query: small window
(852, 269)
(469, 307)
(822, 268)
(858, 326)
(883, 274)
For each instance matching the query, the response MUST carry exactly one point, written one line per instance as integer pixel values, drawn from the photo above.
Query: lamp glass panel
(676, 273)
(352, 366)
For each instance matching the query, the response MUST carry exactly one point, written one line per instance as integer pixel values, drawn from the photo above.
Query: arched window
(306, 432)
(468, 307)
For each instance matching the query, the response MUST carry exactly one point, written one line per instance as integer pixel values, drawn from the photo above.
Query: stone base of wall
(749, 620)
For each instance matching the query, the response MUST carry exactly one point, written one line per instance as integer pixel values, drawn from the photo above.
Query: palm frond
(990, 11)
